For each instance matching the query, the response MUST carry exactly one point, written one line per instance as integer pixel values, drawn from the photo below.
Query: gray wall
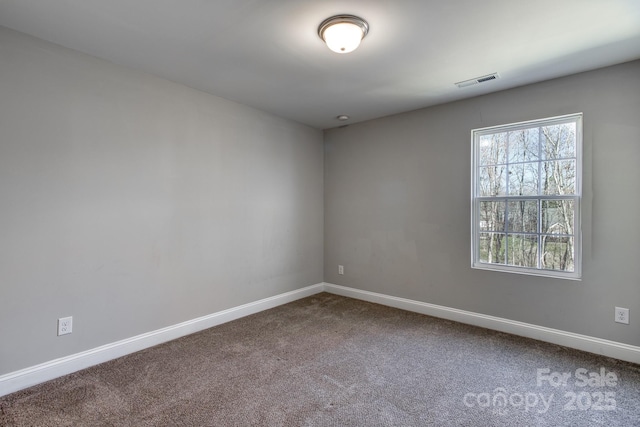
(132, 203)
(397, 206)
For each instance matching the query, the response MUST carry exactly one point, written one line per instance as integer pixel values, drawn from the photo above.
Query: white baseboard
(600, 346)
(28, 377)
(33, 375)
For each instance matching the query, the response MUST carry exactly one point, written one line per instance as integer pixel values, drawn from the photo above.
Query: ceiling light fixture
(343, 33)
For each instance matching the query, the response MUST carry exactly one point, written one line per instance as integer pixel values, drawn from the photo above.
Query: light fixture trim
(332, 21)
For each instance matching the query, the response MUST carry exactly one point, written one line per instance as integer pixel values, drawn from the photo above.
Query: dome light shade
(343, 33)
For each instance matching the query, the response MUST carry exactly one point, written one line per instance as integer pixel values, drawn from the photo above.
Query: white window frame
(476, 200)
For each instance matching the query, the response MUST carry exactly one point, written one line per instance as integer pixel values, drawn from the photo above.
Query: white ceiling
(267, 54)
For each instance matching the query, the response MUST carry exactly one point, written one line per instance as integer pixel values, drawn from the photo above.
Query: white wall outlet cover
(622, 315)
(65, 325)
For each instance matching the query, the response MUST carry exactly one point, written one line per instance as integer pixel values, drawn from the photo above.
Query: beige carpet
(333, 361)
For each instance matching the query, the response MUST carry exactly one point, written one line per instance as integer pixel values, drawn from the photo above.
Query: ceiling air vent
(477, 80)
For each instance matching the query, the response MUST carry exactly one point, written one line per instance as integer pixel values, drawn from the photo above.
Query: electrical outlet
(622, 315)
(65, 325)
(341, 269)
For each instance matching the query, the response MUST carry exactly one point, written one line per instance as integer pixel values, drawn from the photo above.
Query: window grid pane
(558, 253)
(492, 248)
(523, 250)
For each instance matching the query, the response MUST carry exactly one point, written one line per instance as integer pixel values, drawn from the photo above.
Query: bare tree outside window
(526, 197)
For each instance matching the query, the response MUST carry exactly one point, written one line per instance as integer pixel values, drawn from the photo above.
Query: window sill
(528, 271)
